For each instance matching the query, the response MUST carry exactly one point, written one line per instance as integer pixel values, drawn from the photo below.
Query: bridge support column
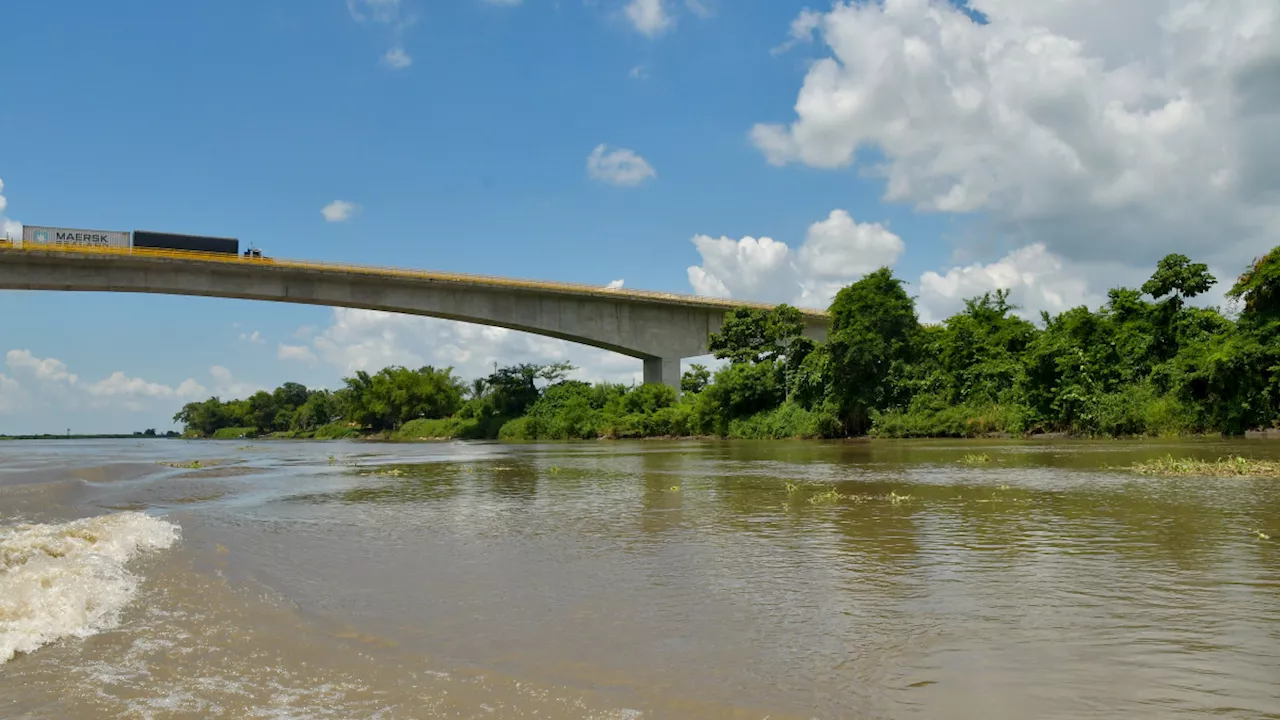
(663, 370)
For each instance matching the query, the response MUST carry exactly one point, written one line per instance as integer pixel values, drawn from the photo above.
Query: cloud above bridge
(1071, 133)
(339, 211)
(836, 251)
(620, 167)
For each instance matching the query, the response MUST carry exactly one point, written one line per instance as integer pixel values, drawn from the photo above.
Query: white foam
(69, 579)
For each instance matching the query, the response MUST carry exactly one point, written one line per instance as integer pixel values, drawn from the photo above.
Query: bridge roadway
(659, 328)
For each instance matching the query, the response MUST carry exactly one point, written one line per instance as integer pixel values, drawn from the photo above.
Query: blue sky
(460, 134)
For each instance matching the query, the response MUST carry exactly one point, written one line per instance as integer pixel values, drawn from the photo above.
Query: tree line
(1147, 362)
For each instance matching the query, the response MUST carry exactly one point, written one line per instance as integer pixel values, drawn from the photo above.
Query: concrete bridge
(658, 328)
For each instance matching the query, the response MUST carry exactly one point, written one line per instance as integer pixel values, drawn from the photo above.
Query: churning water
(633, 580)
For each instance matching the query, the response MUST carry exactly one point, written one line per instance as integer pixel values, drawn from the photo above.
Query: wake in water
(69, 579)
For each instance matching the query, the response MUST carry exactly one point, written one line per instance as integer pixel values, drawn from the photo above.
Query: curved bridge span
(659, 328)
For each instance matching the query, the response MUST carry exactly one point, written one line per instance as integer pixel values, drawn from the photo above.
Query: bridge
(659, 328)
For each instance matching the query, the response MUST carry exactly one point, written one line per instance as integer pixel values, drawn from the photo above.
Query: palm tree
(479, 387)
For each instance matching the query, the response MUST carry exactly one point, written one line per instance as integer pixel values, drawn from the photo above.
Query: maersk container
(194, 243)
(36, 235)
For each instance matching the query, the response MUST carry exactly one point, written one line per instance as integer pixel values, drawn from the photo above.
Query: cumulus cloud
(638, 73)
(300, 353)
(836, 251)
(118, 384)
(699, 8)
(339, 211)
(254, 337)
(391, 15)
(1037, 280)
(618, 167)
(397, 58)
(52, 382)
(227, 387)
(370, 340)
(648, 17)
(1120, 130)
(614, 284)
(11, 229)
(801, 31)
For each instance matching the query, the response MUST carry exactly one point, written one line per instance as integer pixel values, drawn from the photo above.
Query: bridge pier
(663, 370)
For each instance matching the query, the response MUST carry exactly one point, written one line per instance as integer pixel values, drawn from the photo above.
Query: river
(634, 580)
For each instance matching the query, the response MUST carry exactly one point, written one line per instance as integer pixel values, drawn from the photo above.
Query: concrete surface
(660, 332)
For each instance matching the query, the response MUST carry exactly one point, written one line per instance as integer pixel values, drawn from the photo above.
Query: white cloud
(56, 386)
(339, 211)
(48, 369)
(117, 384)
(227, 387)
(638, 73)
(381, 11)
(618, 167)
(801, 30)
(301, 353)
(255, 337)
(1036, 278)
(369, 340)
(1122, 130)
(836, 251)
(506, 3)
(10, 229)
(648, 17)
(391, 14)
(10, 393)
(397, 58)
(699, 8)
(614, 284)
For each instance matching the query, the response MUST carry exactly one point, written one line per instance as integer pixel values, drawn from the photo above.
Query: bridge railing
(374, 270)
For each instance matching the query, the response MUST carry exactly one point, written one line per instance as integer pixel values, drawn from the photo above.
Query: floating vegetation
(975, 459)
(192, 465)
(1261, 535)
(792, 487)
(828, 496)
(674, 488)
(384, 472)
(1222, 467)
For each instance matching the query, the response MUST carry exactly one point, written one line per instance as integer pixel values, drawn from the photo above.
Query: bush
(233, 433)
(959, 421)
(445, 428)
(786, 421)
(335, 431)
(517, 429)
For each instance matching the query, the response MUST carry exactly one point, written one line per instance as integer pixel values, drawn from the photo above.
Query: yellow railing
(486, 280)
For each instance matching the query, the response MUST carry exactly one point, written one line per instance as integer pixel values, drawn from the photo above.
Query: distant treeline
(1145, 363)
(149, 433)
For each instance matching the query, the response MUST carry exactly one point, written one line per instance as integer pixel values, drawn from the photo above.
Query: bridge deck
(541, 286)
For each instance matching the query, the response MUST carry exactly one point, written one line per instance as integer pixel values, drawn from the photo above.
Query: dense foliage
(1146, 362)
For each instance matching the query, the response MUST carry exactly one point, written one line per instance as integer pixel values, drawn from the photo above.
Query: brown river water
(634, 580)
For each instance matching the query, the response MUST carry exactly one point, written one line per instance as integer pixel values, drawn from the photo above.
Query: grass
(1222, 467)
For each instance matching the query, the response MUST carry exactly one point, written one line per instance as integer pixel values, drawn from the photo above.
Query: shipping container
(33, 235)
(194, 243)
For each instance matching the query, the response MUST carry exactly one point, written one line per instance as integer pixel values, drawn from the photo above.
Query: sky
(771, 151)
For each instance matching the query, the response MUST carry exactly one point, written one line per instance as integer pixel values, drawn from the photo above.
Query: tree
(513, 389)
(695, 379)
(872, 341)
(1177, 276)
(750, 335)
(290, 395)
(1259, 288)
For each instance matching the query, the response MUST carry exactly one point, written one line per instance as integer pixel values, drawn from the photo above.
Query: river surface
(634, 580)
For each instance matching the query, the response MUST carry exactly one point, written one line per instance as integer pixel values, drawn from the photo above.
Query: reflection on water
(679, 579)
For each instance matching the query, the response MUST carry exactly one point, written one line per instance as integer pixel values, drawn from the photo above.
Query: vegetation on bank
(1145, 363)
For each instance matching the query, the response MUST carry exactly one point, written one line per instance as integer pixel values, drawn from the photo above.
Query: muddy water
(646, 580)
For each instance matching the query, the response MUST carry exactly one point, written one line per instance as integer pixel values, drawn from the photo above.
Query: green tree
(872, 342)
(754, 335)
(695, 379)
